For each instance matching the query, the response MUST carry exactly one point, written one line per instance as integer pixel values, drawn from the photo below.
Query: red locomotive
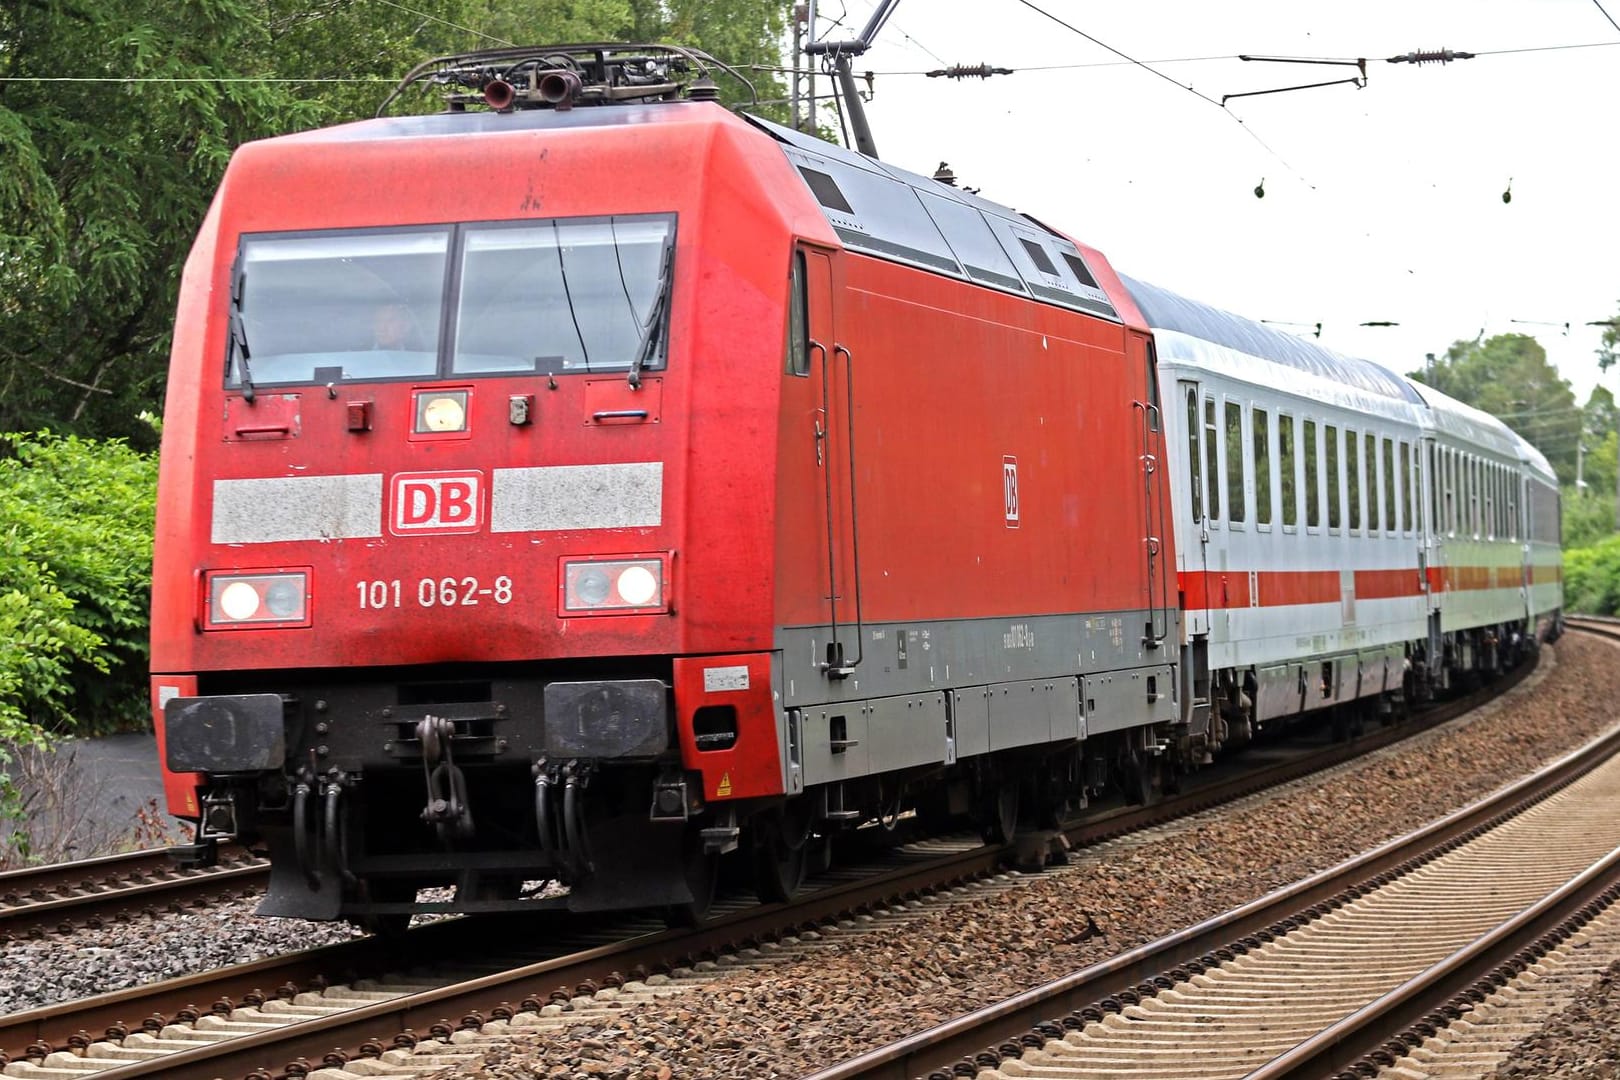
(585, 488)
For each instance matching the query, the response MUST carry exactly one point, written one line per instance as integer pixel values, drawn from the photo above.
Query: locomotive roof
(902, 216)
(1165, 310)
(490, 122)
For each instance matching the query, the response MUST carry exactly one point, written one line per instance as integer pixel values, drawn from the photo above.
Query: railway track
(285, 1016)
(62, 897)
(1357, 969)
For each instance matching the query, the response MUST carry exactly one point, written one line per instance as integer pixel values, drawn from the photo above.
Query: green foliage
(1609, 352)
(1587, 517)
(76, 529)
(103, 184)
(1592, 578)
(1509, 377)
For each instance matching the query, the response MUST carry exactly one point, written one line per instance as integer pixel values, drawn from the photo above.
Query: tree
(103, 184)
(1608, 353)
(1509, 377)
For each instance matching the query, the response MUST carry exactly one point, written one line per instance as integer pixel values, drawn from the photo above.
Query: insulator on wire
(969, 71)
(1432, 56)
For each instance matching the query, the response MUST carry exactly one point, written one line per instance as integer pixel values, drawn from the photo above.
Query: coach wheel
(999, 815)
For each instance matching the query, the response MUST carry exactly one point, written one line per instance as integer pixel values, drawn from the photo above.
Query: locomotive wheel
(702, 877)
(999, 817)
(779, 869)
(390, 925)
(782, 854)
(1138, 779)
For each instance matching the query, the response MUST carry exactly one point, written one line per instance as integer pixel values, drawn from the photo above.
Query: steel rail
(71, 1023)
(60, 897)
(1366, 1029)
(976, 1035)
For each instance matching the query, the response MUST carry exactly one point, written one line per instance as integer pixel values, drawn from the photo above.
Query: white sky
(1382, 203)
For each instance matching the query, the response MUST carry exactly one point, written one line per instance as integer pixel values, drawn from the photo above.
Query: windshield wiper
(239, 343)
(655, 320)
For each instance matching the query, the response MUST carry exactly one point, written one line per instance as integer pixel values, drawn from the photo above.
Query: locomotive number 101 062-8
(433, 592)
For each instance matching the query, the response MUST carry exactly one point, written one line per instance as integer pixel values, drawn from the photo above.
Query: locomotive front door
(832, 373)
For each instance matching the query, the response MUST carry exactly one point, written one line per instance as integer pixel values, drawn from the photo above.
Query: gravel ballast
(860, 991)
(863, 991)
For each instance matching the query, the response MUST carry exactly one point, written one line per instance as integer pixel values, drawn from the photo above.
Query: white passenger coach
(1344, 536)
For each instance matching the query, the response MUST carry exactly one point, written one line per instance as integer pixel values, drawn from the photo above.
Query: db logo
(437, 502)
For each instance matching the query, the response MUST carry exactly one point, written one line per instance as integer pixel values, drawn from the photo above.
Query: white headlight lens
(637, 586)
(246, 600)
(609, 586)
(239, 600)
(441, 412)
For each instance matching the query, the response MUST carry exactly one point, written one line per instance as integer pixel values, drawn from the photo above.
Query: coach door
(832, 373)
(1192, 550)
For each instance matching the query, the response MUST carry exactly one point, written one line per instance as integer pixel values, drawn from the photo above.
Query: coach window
(1462, 494)
(1501, 502)
(1335, 513)
(1388, 470)
(1507, 491)
(1369, 460)
(1287, 472)
(1472, 471)
(1412, 466)
(1507, 528)
(1434, 489)
(1313, 482)
(1236, 504)
(1496, 501)
(798, 343)
(1408, 490)
(1195, 473)
(1448, 468)
(1492, 525)
(1513, 505)
(1262, 469)
(1212, 467)
(1352, 479)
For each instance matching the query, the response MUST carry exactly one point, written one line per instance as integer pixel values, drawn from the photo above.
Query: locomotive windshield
(563, 295)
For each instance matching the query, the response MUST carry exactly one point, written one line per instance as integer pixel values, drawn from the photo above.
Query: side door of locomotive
(830, 367)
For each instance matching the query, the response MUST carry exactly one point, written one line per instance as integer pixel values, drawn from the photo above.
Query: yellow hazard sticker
(723, 788)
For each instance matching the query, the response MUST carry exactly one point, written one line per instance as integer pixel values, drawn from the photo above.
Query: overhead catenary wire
(1190, 89)
(1606, 15)
(445, 22)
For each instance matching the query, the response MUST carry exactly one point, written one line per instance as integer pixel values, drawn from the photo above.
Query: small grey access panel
(619, 719)
(225, 733)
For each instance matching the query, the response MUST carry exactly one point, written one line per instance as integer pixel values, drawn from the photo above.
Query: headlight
(440, 412)
(269, 598)
(609, 586)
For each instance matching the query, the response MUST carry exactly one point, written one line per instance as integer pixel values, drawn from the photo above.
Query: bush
(1592, 578)
(1588, 517)
(75, 580)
